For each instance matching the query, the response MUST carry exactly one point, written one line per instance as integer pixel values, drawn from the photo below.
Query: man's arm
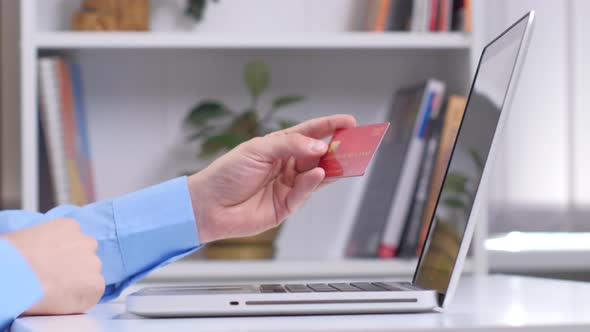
(19, 287)
(136, 232)
(250, 189)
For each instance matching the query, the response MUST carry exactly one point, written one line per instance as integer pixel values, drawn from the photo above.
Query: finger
(289, 173)
(305, 184)
(322, 127)
(268, 149)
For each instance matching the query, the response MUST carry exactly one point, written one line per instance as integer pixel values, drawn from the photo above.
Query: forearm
(140, 231)
(19, 287)
(136, 232)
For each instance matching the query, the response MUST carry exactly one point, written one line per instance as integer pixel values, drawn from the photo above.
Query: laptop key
(272, 288)
(322, 288)
(390, 286)
(297, 288)
(344, 287)
(367, 286)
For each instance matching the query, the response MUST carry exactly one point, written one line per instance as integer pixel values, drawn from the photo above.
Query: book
(64, 130)
(450, 128)
(400, 15)
(458, 21)
(382, 16)
(411, 231)
(402, 199)
(445, 15)
(69, 126)
(433, 15)
(384, 174)
(53, 129)
(420, 15)
(83, 153)
(467, 16)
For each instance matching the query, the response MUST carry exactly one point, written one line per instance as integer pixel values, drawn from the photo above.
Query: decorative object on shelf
(112, 15)
(219, 128)
(196, 8)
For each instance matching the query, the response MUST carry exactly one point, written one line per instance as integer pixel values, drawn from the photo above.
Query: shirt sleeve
(136, 233)
(19, 287)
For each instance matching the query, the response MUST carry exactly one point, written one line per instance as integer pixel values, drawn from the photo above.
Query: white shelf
(183, 40)
(539, 261)
(217, 271)
(528, 252)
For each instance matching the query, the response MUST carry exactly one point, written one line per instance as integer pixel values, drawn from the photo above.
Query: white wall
(581, 101)
(539, 166)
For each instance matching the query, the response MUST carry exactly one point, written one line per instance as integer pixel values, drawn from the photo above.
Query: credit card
(351, 150)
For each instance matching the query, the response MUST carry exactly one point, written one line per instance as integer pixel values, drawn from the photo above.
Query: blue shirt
(161, 216)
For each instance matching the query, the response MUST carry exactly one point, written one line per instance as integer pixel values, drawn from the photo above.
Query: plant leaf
(201, 113)
(217, 143)
(257, 77)
(245, 124)
(205, 131)
(477, 159)
(286, 100)
(455, 203)
(284, 124)
(455, 182)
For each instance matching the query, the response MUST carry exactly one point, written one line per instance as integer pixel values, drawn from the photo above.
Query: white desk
(492, 303)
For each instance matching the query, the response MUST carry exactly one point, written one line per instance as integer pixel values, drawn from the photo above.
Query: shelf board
(216, 271)
(185, 40)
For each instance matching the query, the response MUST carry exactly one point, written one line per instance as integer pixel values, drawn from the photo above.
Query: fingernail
(318, 146)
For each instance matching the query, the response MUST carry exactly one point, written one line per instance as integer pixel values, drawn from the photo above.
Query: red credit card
(351, 150)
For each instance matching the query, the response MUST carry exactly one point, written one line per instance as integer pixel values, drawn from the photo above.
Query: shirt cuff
(155, 225)
(19, 286)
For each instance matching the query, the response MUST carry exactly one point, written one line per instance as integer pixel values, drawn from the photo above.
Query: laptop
(449, 235)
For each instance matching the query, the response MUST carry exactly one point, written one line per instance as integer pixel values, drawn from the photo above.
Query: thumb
(305, 150)
(304, 185)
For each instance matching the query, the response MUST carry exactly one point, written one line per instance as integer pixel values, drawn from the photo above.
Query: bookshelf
(137, 84)
(183, 40)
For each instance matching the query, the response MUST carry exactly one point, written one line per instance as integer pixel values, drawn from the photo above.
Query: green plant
(196, 8)
(220, 128)
(460, 188)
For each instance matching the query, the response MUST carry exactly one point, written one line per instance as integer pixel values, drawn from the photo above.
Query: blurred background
(103, 97)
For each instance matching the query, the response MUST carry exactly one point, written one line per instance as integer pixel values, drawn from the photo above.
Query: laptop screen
(469, 155)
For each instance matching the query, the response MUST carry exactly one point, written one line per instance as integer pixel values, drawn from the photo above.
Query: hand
(259, 183)
(65, 263)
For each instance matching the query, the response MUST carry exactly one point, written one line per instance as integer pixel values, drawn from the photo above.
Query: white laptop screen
(470, 153)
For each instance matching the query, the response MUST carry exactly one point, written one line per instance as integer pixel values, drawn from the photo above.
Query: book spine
(382, 15)
(450, 128)
(83, 154)
(417, 19)
(409, 241)
(70, 137)
(52, 123)
(467, 16)
(405, 190)
(432, 23)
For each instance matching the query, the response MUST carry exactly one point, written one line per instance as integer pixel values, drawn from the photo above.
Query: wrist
(197, 189)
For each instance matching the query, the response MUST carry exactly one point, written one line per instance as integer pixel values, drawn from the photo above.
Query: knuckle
(71, 223)
(97, 263)
(92, 243)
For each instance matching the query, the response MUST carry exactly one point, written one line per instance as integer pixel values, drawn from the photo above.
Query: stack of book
(65, 147)
(419, 15)
(407, 173)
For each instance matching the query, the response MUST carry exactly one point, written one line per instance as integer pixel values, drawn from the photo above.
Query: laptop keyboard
(335, 287)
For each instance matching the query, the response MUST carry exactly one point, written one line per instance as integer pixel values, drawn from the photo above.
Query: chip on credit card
(351, 150)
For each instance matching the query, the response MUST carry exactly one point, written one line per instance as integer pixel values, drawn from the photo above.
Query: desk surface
(488, 303)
